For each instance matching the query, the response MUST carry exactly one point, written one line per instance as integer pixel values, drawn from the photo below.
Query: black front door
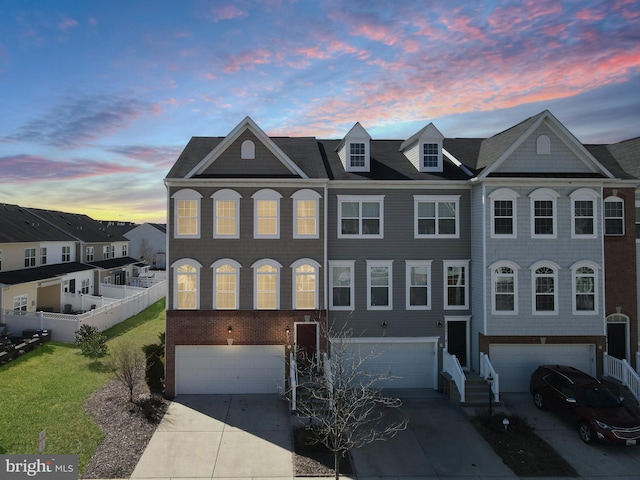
(306, 337)
(617, 340)
(457, 340)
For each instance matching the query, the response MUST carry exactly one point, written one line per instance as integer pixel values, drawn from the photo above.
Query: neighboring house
(506, 246)
(148, 243)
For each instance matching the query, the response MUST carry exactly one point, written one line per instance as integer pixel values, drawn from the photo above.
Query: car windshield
(598, 397)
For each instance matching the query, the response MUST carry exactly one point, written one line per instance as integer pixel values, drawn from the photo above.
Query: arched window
(266, 214)
(226, 214)
(266, 275)
(226, 279)
(305, 284)
(504, 282)
(585, 281)
(186, 213)
(185, 286)
(545, 288)
(248, 150)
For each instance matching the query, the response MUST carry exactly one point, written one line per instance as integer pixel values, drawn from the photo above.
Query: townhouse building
(507, 246)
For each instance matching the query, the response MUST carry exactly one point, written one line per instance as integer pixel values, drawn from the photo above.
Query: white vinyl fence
(100, 312)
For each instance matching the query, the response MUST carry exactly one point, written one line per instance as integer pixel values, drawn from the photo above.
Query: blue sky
(97, 99)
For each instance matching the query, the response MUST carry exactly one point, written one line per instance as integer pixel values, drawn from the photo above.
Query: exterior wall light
(229, 329)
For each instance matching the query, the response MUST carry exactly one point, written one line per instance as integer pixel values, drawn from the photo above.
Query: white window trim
(255, 267)
(595, 267)
(504, 194)
(366, 166)
(556, 268)
(380, 263)
(186, 194)
(296, 264)
(456, 263)
(360, 199)
(214, 267)
(305, 195)
(23, 300)
(455, 199)
(637, 225)
(583, 194)
(492, 269)
(266, 194)
(544, 194)
(616, 199)
(432, 141)
(226, 195)
(418, 263)
(351, 265)
(177, 264)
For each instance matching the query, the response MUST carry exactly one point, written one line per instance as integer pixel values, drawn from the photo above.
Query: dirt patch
(127, 429)
(315, 460)
(526, 454)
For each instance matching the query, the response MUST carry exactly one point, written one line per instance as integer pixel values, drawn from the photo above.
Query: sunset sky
(98, 98)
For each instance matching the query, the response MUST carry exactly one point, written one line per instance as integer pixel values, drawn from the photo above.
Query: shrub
(154, 354)
(93, 344)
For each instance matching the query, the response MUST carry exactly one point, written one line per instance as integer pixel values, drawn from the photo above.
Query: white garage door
(216, 369)
(414, 364)
(515, 363)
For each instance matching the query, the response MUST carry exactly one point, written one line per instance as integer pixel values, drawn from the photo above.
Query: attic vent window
(543, 145)
(248, 150)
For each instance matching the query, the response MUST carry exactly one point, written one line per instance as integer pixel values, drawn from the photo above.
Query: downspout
(2, 304)
(325, 261)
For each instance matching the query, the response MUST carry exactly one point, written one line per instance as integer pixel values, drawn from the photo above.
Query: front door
(306, 341)
(457, 340)
(617, 340)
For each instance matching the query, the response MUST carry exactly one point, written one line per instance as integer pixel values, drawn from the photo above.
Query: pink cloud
(227, 12)
(247, 60)
(589, 15)
(66, 23)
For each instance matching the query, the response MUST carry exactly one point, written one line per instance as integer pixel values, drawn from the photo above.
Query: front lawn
(46, 389)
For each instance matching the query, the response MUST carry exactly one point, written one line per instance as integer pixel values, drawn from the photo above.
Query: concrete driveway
(590, 461)
(220, 436)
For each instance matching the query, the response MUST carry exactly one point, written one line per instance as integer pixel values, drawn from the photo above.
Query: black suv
(585, 402)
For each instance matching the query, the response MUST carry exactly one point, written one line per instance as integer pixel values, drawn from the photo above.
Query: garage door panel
(217, 369)
(412, 364)
(515, 363)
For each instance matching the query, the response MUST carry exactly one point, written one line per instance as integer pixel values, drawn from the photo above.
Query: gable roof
(495, 150)
(26, 275)
(246, 124)
(79, 226)
(627, 155)
(19, 225)
(430, 129)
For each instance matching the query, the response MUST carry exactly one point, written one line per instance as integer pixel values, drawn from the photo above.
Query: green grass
(46, 389)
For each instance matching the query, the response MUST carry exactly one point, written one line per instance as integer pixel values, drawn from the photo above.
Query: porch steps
(304, 400)
(476, 393)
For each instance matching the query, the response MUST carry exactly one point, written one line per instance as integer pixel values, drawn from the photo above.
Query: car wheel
(586, 432)
(538, 400)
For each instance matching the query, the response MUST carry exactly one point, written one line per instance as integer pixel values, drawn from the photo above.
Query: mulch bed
(526, 454)
(315, 460)
(127, 429)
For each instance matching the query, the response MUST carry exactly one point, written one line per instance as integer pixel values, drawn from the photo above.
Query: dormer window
(356, 155)
(430, 154)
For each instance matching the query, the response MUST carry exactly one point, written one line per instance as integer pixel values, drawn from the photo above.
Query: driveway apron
(220, 436)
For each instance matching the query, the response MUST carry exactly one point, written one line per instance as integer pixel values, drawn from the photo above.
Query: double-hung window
(504, 282)
(305, 214)
(105, 252)
(186, 213)
(584, 288)
(29, 257)
(226, 214)
(360, 216)
(436, 216)
(456, 282)
(379, 285)
(418, 283)
(583, 224)
(85, 286)
(66, 253)
(544, 213)
(266, 284)
(305, 284)
(186, 284)
(43, 255)
(125, 250)
(357, 155)
(613, 216)
(226, 276)
(430, 156)
(341, 290)
(266, 205)
(545, 292)
(20, 303)
(503, 213)
(89, 254)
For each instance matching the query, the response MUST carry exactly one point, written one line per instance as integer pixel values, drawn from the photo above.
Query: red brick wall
(211, 327)
(620, 267)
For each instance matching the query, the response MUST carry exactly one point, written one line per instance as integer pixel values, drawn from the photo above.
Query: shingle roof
(113, 263)
(14, 277)
(627, 155)
(78, 225)
(18, 225)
